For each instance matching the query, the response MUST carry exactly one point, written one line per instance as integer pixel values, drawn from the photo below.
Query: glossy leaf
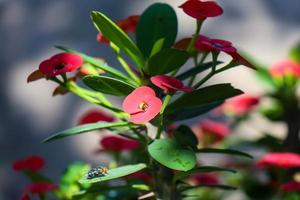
(115, 173)
(201, 100)
(166, 61)
(108, 85)
(196, 70)
(97, 63)
(186, 137)
(222, 187)
(85, 128)
(224, 151)
(172, 155)
(190, 112)
(159, 21)
(117, 36)
(202, 169)
(158, 45)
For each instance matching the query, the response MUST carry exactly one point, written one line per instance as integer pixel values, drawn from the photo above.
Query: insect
(97, 172)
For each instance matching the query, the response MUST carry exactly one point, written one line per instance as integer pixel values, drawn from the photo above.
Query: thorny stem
(161, 117)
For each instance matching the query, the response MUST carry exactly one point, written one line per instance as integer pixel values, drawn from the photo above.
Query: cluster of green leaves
(153, 53)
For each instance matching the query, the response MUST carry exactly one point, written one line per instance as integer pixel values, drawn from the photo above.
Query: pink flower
(39, 188)
(284, 68)
(93, 116)
(142, 104)
(60, 64)
(205, 179)
(201, 10)
(116, 143)
(127, 25)
(207, 44)
(283, 160)
(211, 132)
(32, 163)
(169, 84)
(291, 186)
(240, 105)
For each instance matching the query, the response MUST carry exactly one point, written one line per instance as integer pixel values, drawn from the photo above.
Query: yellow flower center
(143, 106)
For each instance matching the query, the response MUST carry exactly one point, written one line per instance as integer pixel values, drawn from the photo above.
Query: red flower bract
(240, 105)
(291, 186)
(169, 84)
(283, 160)
(284, 68)
(115, 143)
(93, 116)
(142, 104)
(205, 179)
(41, 187)
(201, 10)
(207, 44)
(32, 163)
(60, 64)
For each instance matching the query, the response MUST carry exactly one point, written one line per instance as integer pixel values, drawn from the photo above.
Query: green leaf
(117, 36)
(224, 151)
(202, 169)
(166, 61)
(172, 155)
(115, 173)
(186, 137)
(97, 63)
(294, 53)
(190, 112)
(264, 76)
(222, 187)
(200, 101)
(159, 21)
(158, 45)
(108, 85)
(85, 128)
(196, 70)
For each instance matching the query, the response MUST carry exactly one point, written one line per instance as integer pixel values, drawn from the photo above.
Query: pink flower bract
(32, 163)
(142, 104)
(201, 10)
(93, 116)
(283, 160)
(116, 143)
(240, 105)
(284, 68)
(291, 186)
(60, 63)
(40, 187)
(207, 44)
(169, 84)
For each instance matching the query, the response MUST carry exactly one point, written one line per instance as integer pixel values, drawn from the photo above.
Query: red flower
(284, 68)
(115, 143)
(142, 105)
(39, 188)
(201, 10)
(211, 132)
(127, 25)
(207, 44)
(25, 197)
(291, 186)
(144, 176)
(283, 160)
(240, 105)
(33, 163)
(93, 116)
(169, 84)
(60, 64)
(205, 179)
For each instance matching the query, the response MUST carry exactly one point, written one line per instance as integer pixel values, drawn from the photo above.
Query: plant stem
(161, 117)
(192, 43)
(124, 64)
(204, 55)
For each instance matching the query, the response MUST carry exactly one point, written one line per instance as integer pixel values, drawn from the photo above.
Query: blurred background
(264, 29)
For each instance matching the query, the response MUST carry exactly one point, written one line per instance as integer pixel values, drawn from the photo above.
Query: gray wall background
(30, 28)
